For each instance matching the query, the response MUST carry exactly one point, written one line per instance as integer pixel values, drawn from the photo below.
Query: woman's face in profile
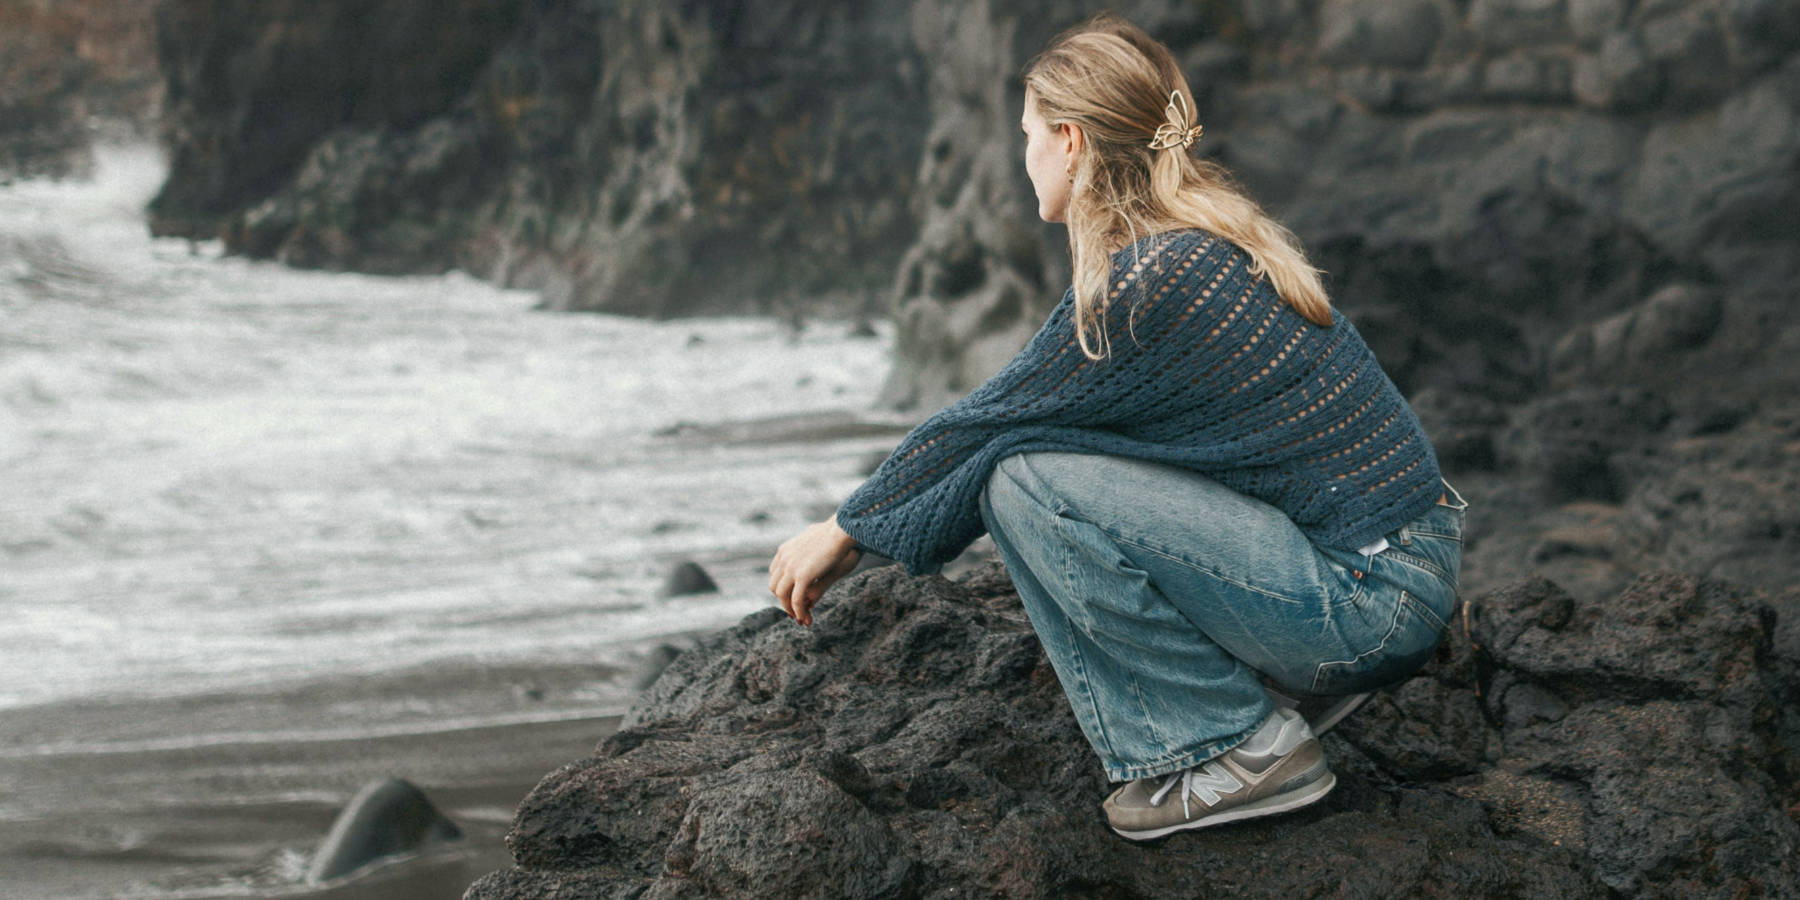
(1048, 159)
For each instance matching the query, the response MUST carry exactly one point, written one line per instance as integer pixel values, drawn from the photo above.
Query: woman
(1197, 475)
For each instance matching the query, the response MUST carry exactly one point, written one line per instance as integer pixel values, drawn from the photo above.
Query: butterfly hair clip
(1180, 128)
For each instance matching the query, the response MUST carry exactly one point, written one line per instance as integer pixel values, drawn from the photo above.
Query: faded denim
(1163, 597)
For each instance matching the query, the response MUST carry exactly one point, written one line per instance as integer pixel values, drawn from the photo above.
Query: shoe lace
(1185, 777)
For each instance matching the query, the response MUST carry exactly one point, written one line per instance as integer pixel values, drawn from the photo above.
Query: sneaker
(1322, 712)
(1280, 768)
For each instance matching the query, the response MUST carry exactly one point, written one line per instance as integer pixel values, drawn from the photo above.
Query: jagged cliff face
(257, 90)
(626, 156)
(1568, 227)
(1476, 177)
(1469, 172)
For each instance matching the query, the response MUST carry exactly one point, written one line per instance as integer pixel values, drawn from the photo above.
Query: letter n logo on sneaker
(1211, 782)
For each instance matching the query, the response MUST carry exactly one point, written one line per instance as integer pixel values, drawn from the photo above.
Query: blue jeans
(1163, 598)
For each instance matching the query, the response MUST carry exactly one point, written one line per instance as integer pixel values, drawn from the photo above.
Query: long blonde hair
(1114, 81)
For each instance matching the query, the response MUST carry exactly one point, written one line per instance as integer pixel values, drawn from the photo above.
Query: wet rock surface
(914, 742)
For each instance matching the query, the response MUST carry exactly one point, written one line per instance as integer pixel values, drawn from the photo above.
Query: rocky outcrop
(1477, 178)
(628, 156)
(1568, 227)
(256, 89)
(72, 71)
(914, 742)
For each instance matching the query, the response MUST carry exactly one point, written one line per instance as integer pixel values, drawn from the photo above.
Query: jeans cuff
(1207, 751)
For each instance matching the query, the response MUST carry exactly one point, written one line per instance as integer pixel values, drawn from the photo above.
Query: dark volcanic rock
(388, 817)
(1653, 713)
(687, 577)
(628, 156)
(914, 742)
(72, 71)
(254, 85)
(1569, 228)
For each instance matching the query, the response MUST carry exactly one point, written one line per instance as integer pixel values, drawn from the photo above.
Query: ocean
(269, 533)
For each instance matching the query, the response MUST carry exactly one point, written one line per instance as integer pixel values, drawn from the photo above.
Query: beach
(227, 795)
(272, 534)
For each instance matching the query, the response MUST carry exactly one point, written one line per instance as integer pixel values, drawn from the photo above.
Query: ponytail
(1119, 85)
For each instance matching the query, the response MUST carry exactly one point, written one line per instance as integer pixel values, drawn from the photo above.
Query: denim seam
(1430, 615)
(1417, 562)
(1137, 693)
(1081, 677)
(1416, 532)
(1061, 513)
(1079, 658)
(1393, 627)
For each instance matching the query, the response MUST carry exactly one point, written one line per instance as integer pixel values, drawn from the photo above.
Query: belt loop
(1456, 500)
(1406, 534)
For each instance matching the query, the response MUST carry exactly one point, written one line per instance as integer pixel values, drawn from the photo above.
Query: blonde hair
(1114, 81)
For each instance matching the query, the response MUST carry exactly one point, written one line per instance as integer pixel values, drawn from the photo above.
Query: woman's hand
(808, 563)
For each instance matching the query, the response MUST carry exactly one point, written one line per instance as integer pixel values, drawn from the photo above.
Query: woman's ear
(1074, 141)
(1075, 137)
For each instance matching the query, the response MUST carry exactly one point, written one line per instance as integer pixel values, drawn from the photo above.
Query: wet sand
(218, 797)
(270, 534)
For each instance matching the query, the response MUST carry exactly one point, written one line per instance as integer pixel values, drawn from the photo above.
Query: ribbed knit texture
(1209, 370)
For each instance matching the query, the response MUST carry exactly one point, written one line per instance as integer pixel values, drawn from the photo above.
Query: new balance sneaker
(1280, 768)
(1322, 712)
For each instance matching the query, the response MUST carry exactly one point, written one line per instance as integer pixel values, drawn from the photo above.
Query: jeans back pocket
(1409, 643)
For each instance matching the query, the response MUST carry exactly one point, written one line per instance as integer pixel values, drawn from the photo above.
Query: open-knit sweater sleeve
(1208, 369)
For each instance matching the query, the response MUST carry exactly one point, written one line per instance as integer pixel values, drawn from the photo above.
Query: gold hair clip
(1181, 127)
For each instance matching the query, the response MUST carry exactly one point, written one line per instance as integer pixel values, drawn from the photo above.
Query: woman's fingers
(810, 598)
(797, 597)
(780, 581)
(787, 589)
(808, 563)
(816, 588)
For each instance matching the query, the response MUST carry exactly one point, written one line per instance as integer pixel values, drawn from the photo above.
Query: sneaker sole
(1267, 806)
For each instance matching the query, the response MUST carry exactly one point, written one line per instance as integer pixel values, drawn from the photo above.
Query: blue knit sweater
(1209, 370)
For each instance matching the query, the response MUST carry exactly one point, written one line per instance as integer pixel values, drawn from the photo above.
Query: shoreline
(223, 814)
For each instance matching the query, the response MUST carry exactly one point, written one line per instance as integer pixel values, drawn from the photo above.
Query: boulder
(387, 818)
(1506, 24)
(1652, 710)
(685, 578)
(914, 742)
(1678, 317)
